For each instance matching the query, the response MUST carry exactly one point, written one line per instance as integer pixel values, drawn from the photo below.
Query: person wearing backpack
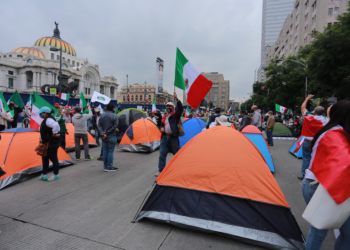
(170, 132)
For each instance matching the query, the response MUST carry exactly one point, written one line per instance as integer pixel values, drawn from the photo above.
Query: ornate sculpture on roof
(66, 87)
(56, 32)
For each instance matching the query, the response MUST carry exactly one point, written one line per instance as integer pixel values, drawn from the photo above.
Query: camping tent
(184, 119)
(141, 136)
(18, 158)
(257, 138)
(233, 126)
(281, 131)
(204, 118)
(126, 118)
(233, 193)
(297, 149)
(70, 141)
(192, 127)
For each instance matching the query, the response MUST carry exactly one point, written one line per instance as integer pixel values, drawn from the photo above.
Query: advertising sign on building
(159, 80)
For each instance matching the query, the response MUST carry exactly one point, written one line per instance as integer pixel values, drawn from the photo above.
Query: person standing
(256, 117)
(17, 110)
(159, 118)
(245, 120)
(311, 125)
(86, 111)
(170, 133)
(4, 120)
(62, 123)
(107, 125)
(212, 117)
(94, 121)
(269, 128)
(80, 132)
(49, 134)
(150, 117)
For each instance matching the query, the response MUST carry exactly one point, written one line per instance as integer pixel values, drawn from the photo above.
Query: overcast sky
(126, 36)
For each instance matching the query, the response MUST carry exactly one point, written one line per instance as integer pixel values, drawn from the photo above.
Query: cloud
(125, 37)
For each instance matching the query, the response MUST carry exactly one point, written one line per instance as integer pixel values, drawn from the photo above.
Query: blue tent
(299, 153)
(192, 127)
(257, 138)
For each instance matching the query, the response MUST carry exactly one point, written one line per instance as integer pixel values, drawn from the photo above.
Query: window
(296, 28)
(329, 24)
(216, 76)
(224, 83)
(136, 98)
(222, 97)
(223, 93)
(215, 93)
(149, 98)
(20, 56)
(222, 102)
(29, 61)
(64, 65)
(69, 60)
(215, 97)
(77, 64)
(10, 55)
(296, 39)
(215, 102)
(58, 57)
(52, 56)
(141, 98)
(4, 56)
(87, 91)
(223, 88)
(73, 63)
(306, 28)
(330, 12)
(296, 49)
(123, 98)
(132, 98)
(297, 18)
(10, 73)
(29, 84)
(336, 11)
(10, 82)
(211, 76)
(215, 88)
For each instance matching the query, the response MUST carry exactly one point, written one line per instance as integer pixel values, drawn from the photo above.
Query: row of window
(87, 91)
(336, 11)
(63, 58)
(136, 98)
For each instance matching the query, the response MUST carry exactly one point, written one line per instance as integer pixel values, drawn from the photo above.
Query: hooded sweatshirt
(79, 122)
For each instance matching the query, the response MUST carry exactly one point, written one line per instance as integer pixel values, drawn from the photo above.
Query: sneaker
(270, 144)
(89, 159)
(78, 159)
(54, 177)
(43, 177)
(157, 174)
(112, 170)
(100, 158)
(300, 178)
(105, 170)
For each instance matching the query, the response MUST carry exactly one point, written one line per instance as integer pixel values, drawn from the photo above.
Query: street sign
(53, 91)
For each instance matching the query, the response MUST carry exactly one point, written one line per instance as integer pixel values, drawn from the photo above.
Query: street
(91, 209)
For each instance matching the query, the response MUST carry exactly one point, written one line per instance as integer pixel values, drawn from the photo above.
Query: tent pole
(143, 202)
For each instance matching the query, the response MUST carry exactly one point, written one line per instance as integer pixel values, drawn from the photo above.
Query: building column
(23, 80)
(34, 79)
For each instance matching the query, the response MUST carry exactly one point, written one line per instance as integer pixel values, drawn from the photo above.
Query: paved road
(91, 209)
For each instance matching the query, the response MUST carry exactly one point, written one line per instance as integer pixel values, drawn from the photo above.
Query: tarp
(281, 131)
(126, 118)
(257, 138)
(18, 158)
(298, 153)
(219, 183)
(141, 136)
(192, 127)
(70, 141)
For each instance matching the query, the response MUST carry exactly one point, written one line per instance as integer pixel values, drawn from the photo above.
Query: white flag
(98, 97)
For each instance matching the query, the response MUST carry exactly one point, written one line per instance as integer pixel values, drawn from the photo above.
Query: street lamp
(54, 82)
(60, 72)
(299, 64)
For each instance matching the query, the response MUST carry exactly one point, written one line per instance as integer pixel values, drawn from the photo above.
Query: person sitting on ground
(107, 125)
(49, 135)
(245, 120)
(170, 133)
(269, 128)
(212, 117)
(80, 126)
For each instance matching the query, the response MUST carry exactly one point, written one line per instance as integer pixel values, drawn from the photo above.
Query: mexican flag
(312, 124)
(128, 95)
(37, 104)
(4, 107)
(229, 111)
(30, 100)
(187, 78)
(281, 109)
(82, 102)
(16, 98)
(64, 96)
(299, 144)
(188, 111)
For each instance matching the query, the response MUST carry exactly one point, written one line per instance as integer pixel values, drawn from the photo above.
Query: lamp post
(54, 82)
(60, 72)
(298, 63)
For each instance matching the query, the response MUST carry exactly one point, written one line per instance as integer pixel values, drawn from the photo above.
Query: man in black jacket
(17, 111)
(159, 118)
(245, 120)
(170, 133)
(212, 117)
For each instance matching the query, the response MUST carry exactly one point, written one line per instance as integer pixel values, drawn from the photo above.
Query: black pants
(2, 127)
(51, 155)
(63, 139)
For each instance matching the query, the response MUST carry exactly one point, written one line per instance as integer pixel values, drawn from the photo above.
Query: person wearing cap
(80, 132)
(49, 133)
(222, 121)
(170, 133)
(213, 117)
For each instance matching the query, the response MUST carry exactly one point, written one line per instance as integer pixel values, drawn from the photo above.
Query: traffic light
(263, 88)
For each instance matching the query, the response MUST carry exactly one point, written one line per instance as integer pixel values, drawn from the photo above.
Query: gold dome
(32, 51)
(55, 42)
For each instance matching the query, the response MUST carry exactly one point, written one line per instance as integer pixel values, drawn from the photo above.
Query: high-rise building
(274, 13)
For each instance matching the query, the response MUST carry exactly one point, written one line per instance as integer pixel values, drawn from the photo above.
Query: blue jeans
(97, 136)
(88, 125)
(51, 155)
(316, 236)
(269, 136)
(108, 146)
(167, 144)
(307, 150)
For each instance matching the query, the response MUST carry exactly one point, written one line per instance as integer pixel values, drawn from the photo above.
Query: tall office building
(273, 17)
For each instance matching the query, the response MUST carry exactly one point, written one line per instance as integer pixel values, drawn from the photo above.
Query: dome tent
(70, 141)
(195, 191)
(20, 164)
(256, 137)
(297, 148)
(141, 136)
(126, 118)
(192, 127)
(281, 131)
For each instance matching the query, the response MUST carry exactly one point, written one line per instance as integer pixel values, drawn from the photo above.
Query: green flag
(16, 98)
(82, 102)
(181, 60)
(3, 105)
(30, 100)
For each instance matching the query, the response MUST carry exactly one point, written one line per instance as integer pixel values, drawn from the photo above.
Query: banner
(159, 74)
(98, 97)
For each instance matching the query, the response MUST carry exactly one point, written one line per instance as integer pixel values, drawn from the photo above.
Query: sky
(126, 36)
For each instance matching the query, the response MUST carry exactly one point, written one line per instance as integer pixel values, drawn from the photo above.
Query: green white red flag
(64, 96)
(281, 109)
(4, 107)
(82, 102)
(154, 105)
(188, 78)
(188, 111)
(30, 100)
(37, 104)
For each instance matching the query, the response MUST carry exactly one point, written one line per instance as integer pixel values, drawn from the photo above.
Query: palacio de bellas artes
(34, 68)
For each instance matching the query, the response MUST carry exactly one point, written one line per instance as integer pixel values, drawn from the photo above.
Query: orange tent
(236, 196)
(70, 143)
(233, 126)
(141, 136)
(19, 163)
